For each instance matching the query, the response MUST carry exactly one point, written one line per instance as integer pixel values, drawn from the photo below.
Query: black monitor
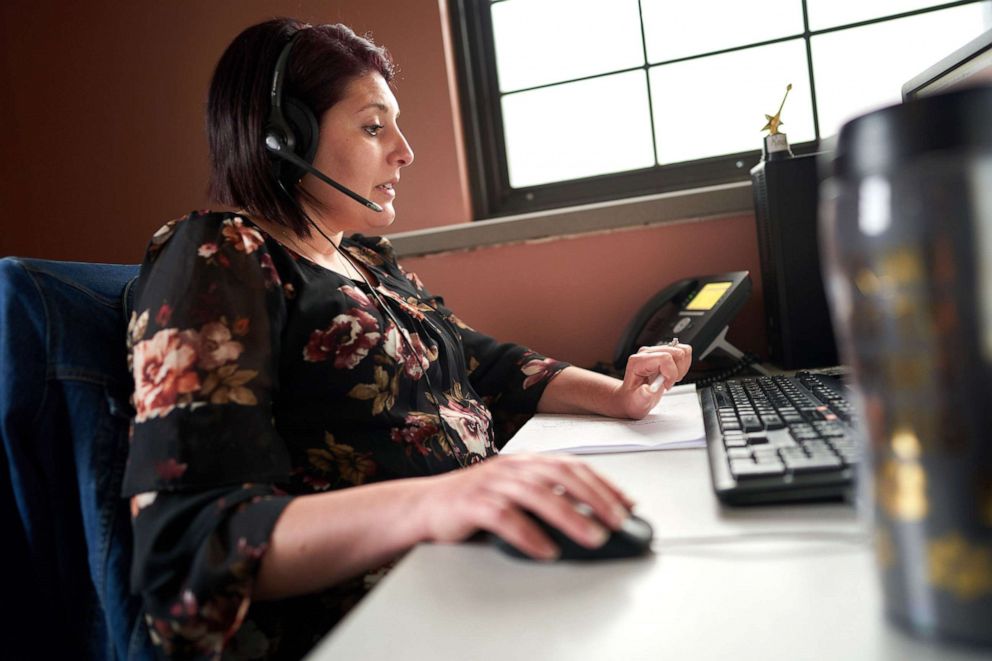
(968, 65)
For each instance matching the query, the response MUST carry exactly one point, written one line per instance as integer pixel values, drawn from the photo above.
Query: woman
(301, 402)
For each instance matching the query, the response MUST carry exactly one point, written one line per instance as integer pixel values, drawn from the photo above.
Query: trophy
(776, 145)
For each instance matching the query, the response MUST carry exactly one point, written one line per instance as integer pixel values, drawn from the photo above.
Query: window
(573, 101)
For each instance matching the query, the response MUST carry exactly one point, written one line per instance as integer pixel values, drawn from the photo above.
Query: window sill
(663, 208)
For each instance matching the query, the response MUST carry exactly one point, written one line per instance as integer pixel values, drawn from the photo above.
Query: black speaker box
(800, 334)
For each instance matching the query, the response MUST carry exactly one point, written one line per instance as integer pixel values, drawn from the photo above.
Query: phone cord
(741, 365)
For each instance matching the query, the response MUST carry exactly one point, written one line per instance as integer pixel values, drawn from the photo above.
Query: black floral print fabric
(260, 376)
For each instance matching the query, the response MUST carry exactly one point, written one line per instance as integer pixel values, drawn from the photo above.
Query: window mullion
(647, 81)
(809, 64)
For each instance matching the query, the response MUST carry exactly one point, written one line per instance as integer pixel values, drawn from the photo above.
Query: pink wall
(103, 141)
(572, 297)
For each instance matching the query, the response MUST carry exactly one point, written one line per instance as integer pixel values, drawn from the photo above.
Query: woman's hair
(324, 59)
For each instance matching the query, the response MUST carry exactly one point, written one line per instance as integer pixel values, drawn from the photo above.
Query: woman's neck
(320, 247)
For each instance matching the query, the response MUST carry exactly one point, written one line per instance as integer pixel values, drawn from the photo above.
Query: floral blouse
(260, 376)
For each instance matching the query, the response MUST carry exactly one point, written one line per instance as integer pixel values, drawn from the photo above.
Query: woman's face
(362, 148)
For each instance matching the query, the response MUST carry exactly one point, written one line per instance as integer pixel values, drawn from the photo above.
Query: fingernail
(550, 552)
(597, 534)
(620, 515)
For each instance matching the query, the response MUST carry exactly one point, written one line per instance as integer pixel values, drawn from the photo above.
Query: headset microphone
(278, 147)
(295, 132)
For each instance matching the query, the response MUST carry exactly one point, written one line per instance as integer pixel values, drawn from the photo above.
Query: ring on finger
(559, 490)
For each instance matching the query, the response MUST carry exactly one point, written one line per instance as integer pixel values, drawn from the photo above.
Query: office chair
(64, 392)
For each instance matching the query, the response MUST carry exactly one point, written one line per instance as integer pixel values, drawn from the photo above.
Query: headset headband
(275, 95)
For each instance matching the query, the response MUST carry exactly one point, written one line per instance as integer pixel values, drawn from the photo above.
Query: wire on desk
(859, 539)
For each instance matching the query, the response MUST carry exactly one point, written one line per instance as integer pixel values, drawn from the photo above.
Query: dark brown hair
(324, 59)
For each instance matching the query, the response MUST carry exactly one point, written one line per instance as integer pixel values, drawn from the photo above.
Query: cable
(739, 366)
(858, 539)
(403, 333)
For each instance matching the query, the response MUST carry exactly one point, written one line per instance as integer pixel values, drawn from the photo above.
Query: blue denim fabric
(64, 390)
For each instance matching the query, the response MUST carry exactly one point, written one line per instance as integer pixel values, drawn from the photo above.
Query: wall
(572, 297)
(103, 114)
(104, 141)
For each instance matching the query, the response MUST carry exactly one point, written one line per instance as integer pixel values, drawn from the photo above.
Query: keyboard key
(840, 444)
(814, 463)
(817, 447)
(751, 423)
(748, 469)
(772, 422)
(850, 458)
(831, 430)
(722, 398)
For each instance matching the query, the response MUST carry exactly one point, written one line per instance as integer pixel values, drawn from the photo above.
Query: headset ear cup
(305, 130)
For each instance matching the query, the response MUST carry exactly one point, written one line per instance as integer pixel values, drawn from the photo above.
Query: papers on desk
(677, 422)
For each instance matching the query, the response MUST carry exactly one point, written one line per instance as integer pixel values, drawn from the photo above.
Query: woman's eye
(373, 129)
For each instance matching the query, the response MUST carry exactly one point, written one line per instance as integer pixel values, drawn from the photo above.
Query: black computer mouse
(631, 540)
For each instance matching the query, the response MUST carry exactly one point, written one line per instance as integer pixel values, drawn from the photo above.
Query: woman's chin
(382, 218)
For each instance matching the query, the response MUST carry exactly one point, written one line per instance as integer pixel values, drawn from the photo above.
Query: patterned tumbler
(906, 231)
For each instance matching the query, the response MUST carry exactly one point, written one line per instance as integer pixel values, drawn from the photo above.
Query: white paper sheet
(677, 422)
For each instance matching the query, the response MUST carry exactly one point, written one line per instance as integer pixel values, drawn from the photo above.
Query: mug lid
(885, 139)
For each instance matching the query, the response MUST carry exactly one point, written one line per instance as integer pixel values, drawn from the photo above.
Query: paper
(677, 422)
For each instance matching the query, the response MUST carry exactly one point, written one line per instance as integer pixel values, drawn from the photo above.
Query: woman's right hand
(494, 495)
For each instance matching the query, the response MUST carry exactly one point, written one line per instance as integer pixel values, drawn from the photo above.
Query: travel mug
(906, 236)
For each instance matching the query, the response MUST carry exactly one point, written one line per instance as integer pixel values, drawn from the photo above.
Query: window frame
(492, 195)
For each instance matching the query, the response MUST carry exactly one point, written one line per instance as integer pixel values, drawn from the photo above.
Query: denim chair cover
(64, 392)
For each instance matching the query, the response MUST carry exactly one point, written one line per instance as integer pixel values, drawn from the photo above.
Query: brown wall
(102, 113)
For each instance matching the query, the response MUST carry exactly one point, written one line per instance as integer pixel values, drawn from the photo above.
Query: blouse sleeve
(204, 457)
(509, 377)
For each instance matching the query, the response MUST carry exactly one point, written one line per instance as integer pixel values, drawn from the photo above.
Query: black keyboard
(776, 439)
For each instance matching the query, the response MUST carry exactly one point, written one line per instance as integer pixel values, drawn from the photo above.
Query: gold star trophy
(776, 145)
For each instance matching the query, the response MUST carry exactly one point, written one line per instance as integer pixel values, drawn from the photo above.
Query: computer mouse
(631, 540)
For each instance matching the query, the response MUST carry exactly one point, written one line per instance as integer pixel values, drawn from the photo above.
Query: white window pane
(717, 105)
(828, 13)
(579, 129)
(547, 41)
(864, 68)
(678, 29)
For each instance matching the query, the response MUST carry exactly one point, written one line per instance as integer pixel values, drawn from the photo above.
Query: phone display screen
(707, 297)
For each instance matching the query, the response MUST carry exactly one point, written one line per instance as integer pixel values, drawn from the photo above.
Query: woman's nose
(404, 152)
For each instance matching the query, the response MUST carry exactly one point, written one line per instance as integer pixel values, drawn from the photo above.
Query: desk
(764, 583)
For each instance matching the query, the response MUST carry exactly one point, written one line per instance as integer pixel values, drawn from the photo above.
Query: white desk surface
(760, 583)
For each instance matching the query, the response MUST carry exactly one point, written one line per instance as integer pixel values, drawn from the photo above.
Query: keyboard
(778, 439)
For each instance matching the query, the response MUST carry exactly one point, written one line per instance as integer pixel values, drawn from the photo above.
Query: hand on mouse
(641, 390)
(495, 494)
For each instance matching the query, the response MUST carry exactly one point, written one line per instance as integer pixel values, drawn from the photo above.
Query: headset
(291, 134)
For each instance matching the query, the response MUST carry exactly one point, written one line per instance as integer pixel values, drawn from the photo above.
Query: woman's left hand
(650, 373)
